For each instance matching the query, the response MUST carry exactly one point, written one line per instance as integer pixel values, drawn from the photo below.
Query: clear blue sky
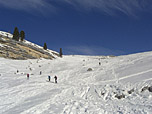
(88, 27)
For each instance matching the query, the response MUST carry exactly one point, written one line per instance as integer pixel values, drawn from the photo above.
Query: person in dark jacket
(99, 63)
(49, 77)
(55, 77)
(40, 72)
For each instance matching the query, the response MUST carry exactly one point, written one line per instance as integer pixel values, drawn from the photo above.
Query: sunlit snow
(78, 91)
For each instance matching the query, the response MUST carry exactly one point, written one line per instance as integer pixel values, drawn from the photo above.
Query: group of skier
(49, 77)
(55, 77)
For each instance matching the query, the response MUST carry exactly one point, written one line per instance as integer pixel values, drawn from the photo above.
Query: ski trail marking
(129, 76)
(132, 75)
(148, 79)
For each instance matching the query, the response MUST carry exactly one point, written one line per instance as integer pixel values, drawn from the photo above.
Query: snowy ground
(6, 34)
(78, 91)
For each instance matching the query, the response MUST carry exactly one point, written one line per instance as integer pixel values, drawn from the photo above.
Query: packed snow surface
(78, 91)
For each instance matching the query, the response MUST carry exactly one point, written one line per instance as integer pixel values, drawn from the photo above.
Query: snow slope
(53, 53)
(6, 34)
(78, 91)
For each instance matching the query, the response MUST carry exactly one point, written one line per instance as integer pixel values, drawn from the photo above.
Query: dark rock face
(144, 88)
(131, 91)
(147, 88)
(150, 89)
(89, 69)
(120, 96)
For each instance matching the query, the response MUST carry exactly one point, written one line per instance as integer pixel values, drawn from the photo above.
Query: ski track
(78, 91)
(128, 76)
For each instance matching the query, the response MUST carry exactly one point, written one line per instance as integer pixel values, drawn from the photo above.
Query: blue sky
(88, 27)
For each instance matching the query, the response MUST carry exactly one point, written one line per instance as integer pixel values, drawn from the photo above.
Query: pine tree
(45, 46)
(16, 34)
(22, 35)
(61, 52)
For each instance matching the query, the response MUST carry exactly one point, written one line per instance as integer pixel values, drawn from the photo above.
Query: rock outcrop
(23, 50)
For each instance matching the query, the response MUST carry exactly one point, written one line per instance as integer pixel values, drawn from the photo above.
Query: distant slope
(22, 50)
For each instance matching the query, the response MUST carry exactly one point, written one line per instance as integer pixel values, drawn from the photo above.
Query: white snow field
(78, 91)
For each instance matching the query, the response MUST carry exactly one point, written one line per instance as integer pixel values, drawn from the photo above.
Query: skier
(40, 72)
(49, 77)
(55, 77)
(27, 76)
(99, 63)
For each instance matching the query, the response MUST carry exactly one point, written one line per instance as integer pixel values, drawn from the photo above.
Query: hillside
(120, 85)
(22, 50)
